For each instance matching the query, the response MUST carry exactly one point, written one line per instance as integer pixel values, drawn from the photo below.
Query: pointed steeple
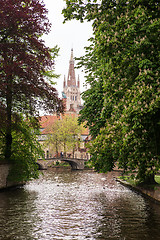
(78, 82)
(71, 55)
(71, 89)
(64, 82)
(71, 80)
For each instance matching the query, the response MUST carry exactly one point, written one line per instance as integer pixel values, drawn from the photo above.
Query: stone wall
(153, 194)
(4, 169)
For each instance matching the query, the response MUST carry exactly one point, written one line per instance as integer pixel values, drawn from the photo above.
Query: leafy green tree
(75, 131)
(53, 138)
(25, 62)
(64, 134)
(94, 96)
(25, 152)
(125, 45)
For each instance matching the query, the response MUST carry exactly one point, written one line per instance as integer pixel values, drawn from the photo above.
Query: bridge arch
(75, 164)
(40, 166)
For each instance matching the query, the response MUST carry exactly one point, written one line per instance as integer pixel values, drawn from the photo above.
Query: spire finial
(71, 53)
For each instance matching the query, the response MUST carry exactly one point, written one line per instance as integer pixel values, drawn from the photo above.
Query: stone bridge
(75, 163)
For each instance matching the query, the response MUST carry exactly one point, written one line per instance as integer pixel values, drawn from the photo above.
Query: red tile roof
(47, 120)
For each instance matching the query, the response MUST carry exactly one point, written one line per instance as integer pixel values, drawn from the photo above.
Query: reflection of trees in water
(124, 215)
(65, 204)
(17, 214)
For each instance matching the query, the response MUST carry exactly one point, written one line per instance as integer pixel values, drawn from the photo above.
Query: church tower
(71, 89)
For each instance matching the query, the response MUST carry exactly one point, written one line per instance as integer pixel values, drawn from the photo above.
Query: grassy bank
(130, 180)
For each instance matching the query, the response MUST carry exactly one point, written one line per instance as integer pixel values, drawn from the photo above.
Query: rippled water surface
(66, 205)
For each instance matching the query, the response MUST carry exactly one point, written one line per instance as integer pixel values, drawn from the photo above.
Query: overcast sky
(72, 34)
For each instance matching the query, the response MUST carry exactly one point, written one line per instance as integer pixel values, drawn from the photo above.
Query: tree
(64, 134)
(53, 137)
(24, 63)
(93, 98)
(25, 152)
(126, 48)
(75, 131)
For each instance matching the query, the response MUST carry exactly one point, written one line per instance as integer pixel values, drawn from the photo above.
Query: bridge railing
(64, 158)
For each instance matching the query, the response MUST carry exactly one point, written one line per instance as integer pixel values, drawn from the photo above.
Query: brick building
(72, 102)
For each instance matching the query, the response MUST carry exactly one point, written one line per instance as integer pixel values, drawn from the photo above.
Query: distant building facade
(72, 103)
(46, 123)
(71, 89)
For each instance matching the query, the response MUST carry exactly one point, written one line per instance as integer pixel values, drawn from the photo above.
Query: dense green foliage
(122, 68)
(25, 152)
(26, 66)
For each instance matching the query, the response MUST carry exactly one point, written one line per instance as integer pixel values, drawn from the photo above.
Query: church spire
(78, 82)
(64, 82)
(71, 55)
(71, 89)
(71, 80)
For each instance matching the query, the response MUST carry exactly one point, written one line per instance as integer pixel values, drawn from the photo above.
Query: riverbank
(67, 204)
(4, 183)
(153, 193)
(4, 170)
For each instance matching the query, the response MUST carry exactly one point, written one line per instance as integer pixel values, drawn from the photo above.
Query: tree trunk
(64, 145)
(8, 137)
(8, 146)
(150, 179)
(56, 148)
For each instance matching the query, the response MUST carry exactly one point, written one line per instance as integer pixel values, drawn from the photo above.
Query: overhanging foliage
(125, 45)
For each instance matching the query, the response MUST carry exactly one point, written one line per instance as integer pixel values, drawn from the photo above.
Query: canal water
(68, 205)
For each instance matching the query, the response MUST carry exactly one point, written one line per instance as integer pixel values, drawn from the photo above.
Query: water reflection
(16, 214)
(65, 204)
